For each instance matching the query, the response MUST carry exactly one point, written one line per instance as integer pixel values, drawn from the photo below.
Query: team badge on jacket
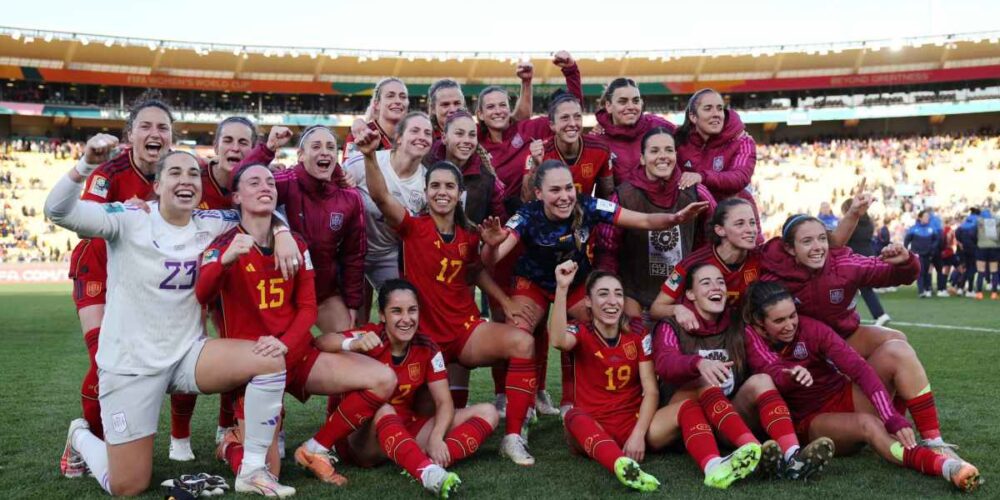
(800, 351)
(836, 295)
(517, 141)
(717, 164)
(336, 221)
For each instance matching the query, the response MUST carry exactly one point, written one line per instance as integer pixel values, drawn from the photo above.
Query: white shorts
(382, 269)
(130, 404)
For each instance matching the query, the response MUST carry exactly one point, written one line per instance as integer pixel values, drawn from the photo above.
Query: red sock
(698, 438)
(521, 386)
(355, 409)
(776, 419)
(88, 391)
(568, 382)
(465, 439)
(925, 417)
(400, 446)
(541, 355)
(181, 411)
(226, 418)
(331, 404)
(234, 457)
(460, 397)
(499, 372)
(592, 438)
(723, 416)
(923, 460)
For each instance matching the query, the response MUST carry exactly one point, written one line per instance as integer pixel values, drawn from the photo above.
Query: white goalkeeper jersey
(152, 316)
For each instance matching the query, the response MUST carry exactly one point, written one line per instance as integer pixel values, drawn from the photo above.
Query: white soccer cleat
(501, 404)
(564, 409)
(180, 449)
(543, 403)
(262, 482)
(883, 320)
(514, 447)
(439, 481)
(71, 464)
(943, 293)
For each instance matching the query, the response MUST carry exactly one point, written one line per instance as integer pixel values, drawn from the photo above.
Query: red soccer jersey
(422, 364)
(214, 196)
(737, 278)
(441, 272)
(118, 180)
(593, 162)
(250, 299)
(607, 376)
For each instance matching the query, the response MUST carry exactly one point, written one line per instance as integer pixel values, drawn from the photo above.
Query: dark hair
(732, 337)
(239, 174)
(460, 219)
(650, 134)
(846, 207)
(975, 211)
(591, 281)
(689, 277)
(759, 297)
(377, 92)
(614, 85)
(720, 215)
(684, 131)
(160, 165)
(401, 126)
(540, 172)
(922, 213)
(558, 98)
(489, 90)
(444, 83)
(309, 130)
(242, 121)
(484, 158)
(151, 98)
(394, 285)
(792, 224)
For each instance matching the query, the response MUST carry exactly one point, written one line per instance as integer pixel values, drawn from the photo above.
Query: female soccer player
(616, 394)
(646, 258)
(814, 368)
(824, 282)
(622, 123)
(707, 364)
(390, 103)
(440, 256)
(255, 303)
(714, 149)
(422, 445)
(153, 340)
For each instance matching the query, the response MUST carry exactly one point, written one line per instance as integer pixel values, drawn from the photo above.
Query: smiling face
(606, 300)
(256, 193)
(709, 114)
(417, 136)
(494, 110)
(811, 245)
(446, 102)
(233, 144)
(659, 157)
(178, 183)
(151, 135)
(781, 321)
(568, 122)
(460, 139)
(557, 193)
(624, 106)
(393, 102)
(401, 315)
(442, 192)
(739, 228)
(318, 153)
(707, 291)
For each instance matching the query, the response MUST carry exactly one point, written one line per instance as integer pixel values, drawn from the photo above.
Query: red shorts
(88, 268)
(295, 383)
(838, 403)
(453, 348)
(618, 425)
(524, 287)
(414, 423)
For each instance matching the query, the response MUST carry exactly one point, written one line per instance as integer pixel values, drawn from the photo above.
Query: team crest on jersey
(749, 276)
(210, 255)
(836, 295)
(674, 282)
(587, 169)
(93, 288)
(100, 186)
(517, 141)
(717, 164)
(630, 351)
(437, 363)
(413, 369)
(336, 221)
(800, 351)
(463, 249)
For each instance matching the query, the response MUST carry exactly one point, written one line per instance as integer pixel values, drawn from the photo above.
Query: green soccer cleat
(738, 465)
(628, 472)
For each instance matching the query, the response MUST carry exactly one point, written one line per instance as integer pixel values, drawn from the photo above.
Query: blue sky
(510, 25)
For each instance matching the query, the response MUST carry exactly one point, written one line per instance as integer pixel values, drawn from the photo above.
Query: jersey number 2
(456, 266)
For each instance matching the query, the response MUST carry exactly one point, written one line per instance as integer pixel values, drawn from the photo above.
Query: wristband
(280, 229)
(83, 168)
(346, 344)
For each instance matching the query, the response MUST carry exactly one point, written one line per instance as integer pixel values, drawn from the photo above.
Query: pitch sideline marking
(942, 327)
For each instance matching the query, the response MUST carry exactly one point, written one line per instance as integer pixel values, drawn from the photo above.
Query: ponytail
(684, 131)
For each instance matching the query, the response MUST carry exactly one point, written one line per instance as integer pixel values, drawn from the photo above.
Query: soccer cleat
(979, 295)
(966, 477)
(231, 437)
(439, 481)
(941, 448)
(942, 293)
(543, 403)
(771, 459)
(501, 404)
(564, 409)
(808, 461)
(514, 447)
(628, 472)
(994, 296)
(202, 484)
(738, 465)
(180, 450)
(262, 482)
(71, 464)
(320, 465)
(883, 320)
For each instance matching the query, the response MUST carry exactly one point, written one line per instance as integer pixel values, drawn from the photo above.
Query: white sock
(262, 408)
(938, 441)
(95, 453)
(712, 464)
(948, 468)
(314, 447)
(425, 476)
(791, 451)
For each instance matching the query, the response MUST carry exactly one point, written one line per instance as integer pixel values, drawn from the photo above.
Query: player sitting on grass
(832, 391)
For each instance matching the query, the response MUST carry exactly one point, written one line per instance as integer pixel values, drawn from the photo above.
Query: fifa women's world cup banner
(34, 272)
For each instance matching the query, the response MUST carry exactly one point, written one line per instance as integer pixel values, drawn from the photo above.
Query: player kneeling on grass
(153, 340)
(253, 302)
(706, 365)
(832, 391)
(423, 445)
(615, 391)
